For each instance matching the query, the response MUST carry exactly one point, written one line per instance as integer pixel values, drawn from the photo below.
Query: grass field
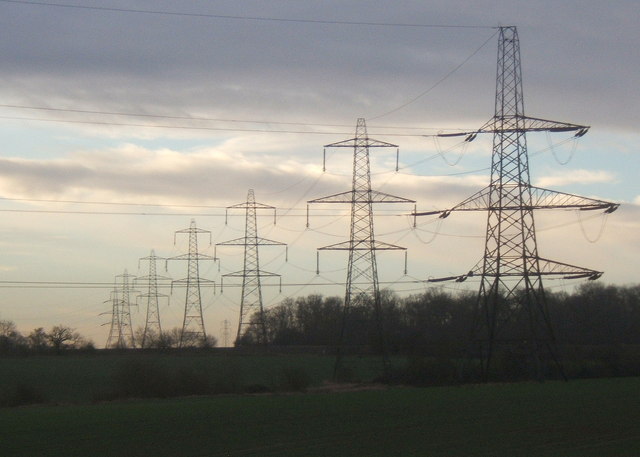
(81, 378)
(580, 418)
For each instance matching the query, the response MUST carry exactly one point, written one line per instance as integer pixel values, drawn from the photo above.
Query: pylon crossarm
(566, 271)
(342, 197)
(186, 281)
(524, 124)
(534, 124)
(551, 199)
(477, 202)
(540, 199)
(193, 230)
(373, 196)
(159, 295)
(146, 279)
(242, 273)
(255, 205)
(368, 142)
(258, 241)
(513, 268)
(459, 278)
(362, 245)
(192, 256)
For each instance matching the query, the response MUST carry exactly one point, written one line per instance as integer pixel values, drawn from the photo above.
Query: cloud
(314, 72)
(130, 172)
(576, 177)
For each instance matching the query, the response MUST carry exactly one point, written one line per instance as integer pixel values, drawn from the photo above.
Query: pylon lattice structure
(152, 326)
(251, 306)
(193, 332)
(362, 288)
(225, 333)
(511, 305)
(121, 331)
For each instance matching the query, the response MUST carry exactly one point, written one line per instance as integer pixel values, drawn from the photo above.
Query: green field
(582, 418)
(597, 417)
(83, 378)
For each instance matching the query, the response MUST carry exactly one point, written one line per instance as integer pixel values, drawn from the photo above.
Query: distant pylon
(251, 306)
(512, 306)
(225, 333)
(193, 331)
(152, 326)
(362, 289)
(121, 332)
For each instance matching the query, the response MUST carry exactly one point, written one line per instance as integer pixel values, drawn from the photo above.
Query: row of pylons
(510, 271)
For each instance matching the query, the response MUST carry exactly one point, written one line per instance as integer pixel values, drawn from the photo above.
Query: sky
(123, 120)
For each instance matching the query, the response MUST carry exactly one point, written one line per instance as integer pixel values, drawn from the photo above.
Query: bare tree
(38, 339)
(62, 337)
(10, 338)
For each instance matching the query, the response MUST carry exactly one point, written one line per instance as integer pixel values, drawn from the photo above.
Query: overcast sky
(183, 104)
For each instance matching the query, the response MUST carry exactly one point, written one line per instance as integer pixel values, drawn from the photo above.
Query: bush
(228, 379)
(21, 394)
(294, 379)
(144, 379)
(188, 381)
(257, 389)
(422, 371)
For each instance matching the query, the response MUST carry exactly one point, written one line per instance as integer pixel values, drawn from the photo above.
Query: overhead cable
(244, 18)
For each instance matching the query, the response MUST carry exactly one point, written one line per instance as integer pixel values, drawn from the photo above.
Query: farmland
(83, 378)
(581, 418)
(591, 417)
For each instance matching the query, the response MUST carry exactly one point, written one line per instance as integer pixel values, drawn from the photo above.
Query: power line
(198, 118)
(131, 213)
(437, 83)
(109, 285)
(43, 200)
(174, 127)
(204, 128)
(245, 18)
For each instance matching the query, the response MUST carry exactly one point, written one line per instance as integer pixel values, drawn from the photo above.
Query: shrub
(145, 379)
(294, 379)
(20, 394)
(422, 371)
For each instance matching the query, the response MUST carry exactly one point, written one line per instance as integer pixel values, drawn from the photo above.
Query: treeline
(594, 314)
(61, 338)
(597, 327)
(57, 339)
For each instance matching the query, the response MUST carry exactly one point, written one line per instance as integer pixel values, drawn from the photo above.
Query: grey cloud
(319, 72)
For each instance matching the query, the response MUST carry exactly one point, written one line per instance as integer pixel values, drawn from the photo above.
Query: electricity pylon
(362, 288)
(152, 326)
(251, 307)
(511, 303)
(121, 332)
(193, 332)
(225, 333)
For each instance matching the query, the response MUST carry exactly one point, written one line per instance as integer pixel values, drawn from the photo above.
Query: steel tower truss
(121, 331)
(251, 306)
(511, 270)
(193, 331)
(152, 326)
(362, 289)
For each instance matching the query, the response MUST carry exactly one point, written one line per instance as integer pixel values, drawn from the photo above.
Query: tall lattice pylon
(152, 334)
(121, 331)
(193, 332)
(362, 288)
(251, 306)
(511, 306)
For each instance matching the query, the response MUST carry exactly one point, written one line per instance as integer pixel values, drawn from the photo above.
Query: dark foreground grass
(83, 378)
(581, 418)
